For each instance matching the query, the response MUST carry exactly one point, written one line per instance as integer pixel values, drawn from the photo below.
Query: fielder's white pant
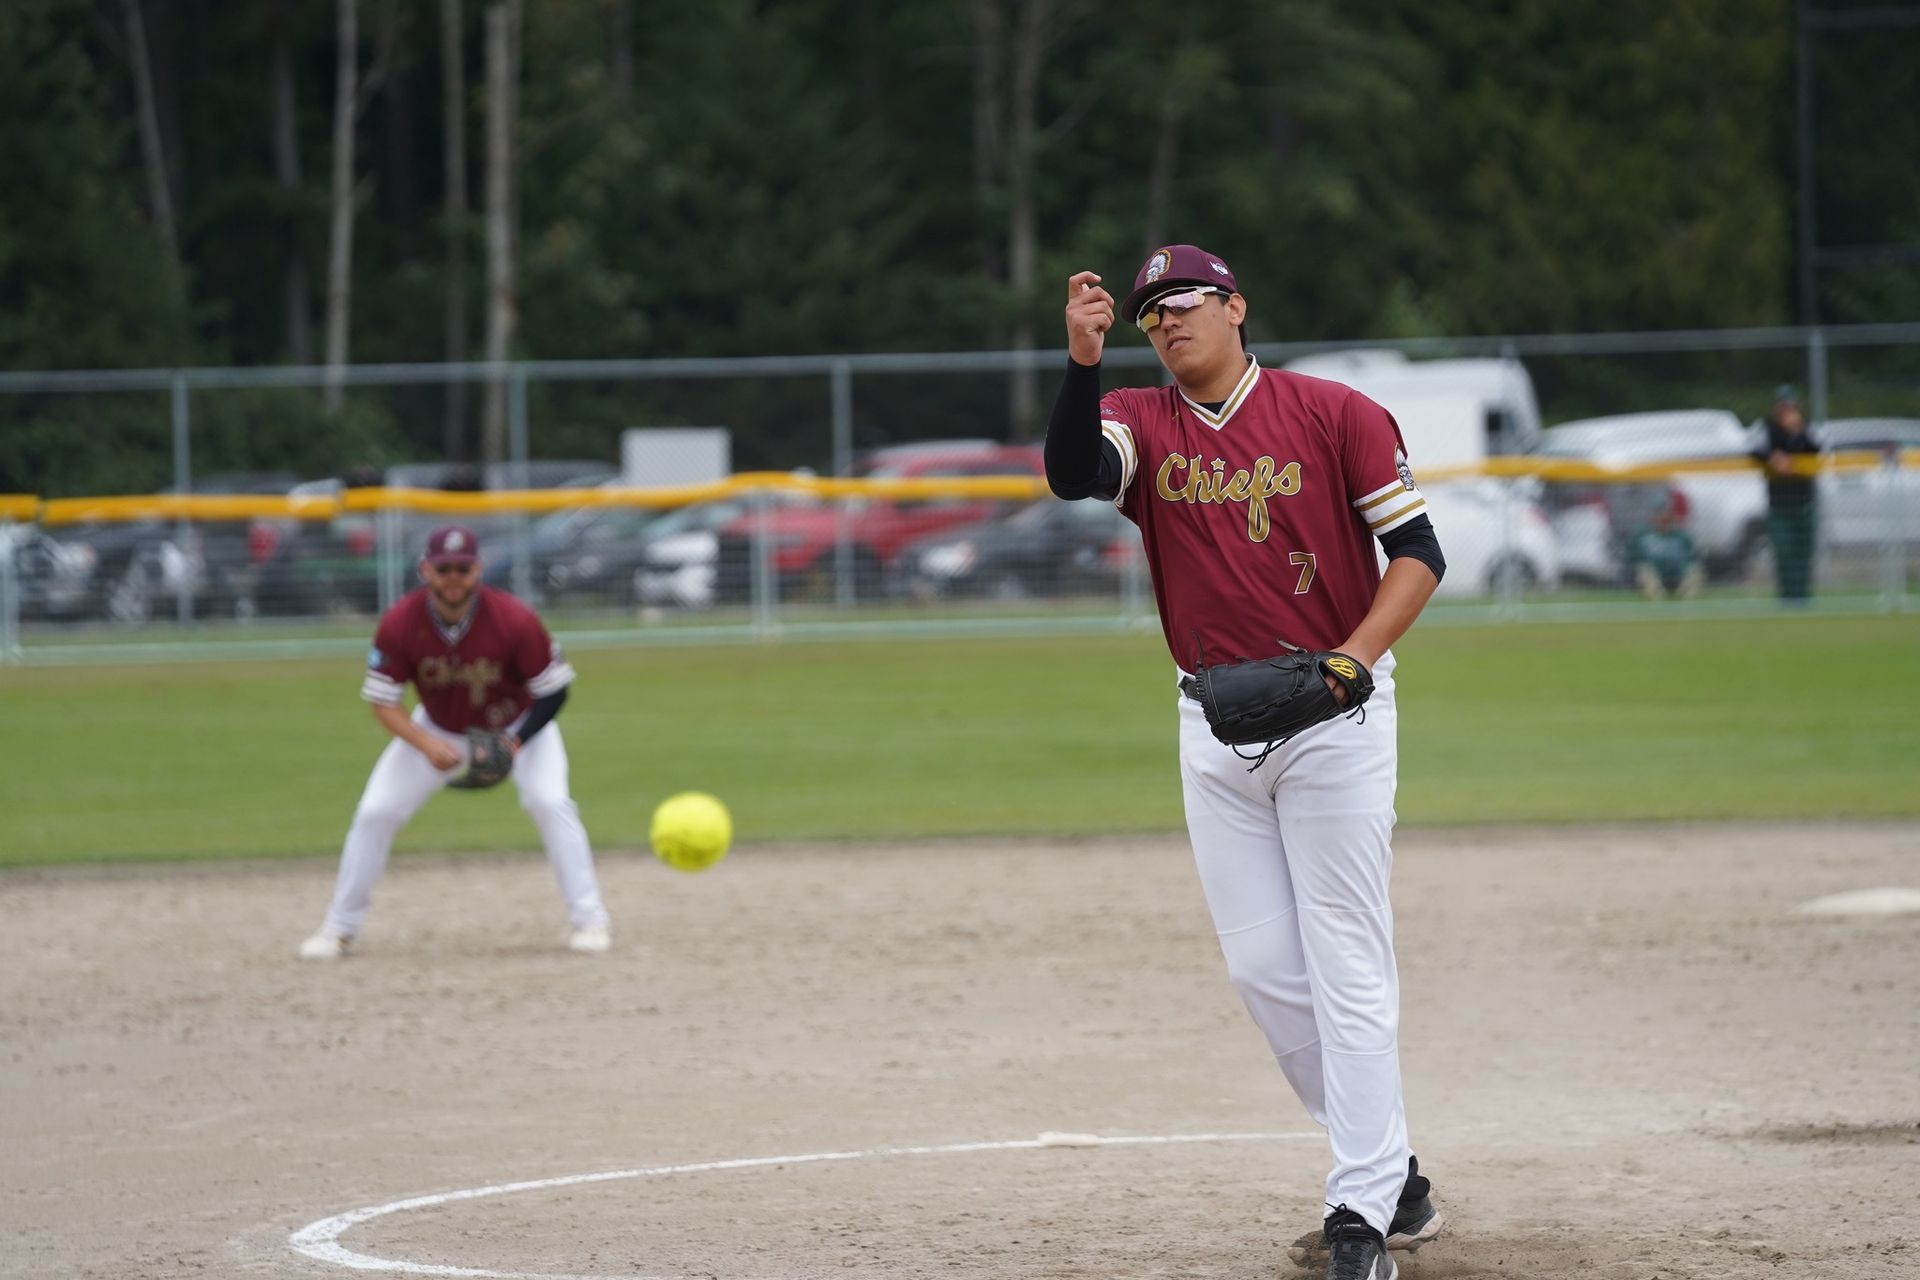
(1294, 859)
(403, 780)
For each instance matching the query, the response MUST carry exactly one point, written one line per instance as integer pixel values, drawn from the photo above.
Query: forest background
(316, 182)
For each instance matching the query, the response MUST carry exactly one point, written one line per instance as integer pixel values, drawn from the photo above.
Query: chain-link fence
(681, 499)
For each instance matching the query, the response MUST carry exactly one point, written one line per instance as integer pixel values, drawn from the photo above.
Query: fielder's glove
(489, 760)
(1266, 702)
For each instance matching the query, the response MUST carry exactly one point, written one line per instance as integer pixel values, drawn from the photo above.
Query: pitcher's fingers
(1079, 282)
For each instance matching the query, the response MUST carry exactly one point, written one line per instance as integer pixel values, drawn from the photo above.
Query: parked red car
(805, 538)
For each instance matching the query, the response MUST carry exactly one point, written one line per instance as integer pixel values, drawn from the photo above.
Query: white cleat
(325, 945)
(591, 941)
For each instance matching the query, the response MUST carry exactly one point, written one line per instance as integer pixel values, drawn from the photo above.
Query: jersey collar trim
(1234, 400)
(457, 632)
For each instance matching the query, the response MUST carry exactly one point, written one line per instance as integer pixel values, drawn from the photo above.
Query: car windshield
(893, 471)
(1684, 432)
(701, 515)
(1603, 446)
(1889, 433)
(559, 524)
(951, 468)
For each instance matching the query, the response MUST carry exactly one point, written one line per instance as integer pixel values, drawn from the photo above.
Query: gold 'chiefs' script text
(1213, 484)
(479, 676)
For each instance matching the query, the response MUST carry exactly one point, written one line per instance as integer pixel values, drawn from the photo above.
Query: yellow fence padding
(187, 506)
(216, 507)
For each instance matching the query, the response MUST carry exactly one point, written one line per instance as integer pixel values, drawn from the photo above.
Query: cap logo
(1157, 265)
(1220, 267)
(455, 541)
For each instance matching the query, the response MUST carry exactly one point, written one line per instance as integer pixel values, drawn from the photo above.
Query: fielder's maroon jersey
(1259, 521)
(480, 674)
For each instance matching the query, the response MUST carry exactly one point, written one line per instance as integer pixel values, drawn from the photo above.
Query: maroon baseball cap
(451, 544)
(1171, 269)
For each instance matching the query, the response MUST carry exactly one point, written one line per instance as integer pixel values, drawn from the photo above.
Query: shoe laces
(1352, 1245)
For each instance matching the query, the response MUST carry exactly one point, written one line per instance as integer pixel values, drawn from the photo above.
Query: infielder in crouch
(479, 658)
(1259, 495)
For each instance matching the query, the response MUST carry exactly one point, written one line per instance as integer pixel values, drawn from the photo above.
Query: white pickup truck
(1725, 509)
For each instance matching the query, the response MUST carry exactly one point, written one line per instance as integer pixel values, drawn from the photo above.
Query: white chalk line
(320, 1241)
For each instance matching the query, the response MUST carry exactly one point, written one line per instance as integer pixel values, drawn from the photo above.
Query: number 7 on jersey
(1304, 559)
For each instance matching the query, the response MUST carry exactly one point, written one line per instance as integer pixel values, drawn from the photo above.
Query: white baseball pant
(403, 780)
(1294, 859)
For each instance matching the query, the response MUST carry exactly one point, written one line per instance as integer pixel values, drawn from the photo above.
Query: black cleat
(1355, 1251)
(1415, 1222)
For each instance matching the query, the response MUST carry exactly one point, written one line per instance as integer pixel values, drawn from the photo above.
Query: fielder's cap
(1786, 393)
(1171, 269)
(451, 543)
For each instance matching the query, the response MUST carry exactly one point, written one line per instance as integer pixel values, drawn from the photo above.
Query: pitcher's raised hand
(1089, 316)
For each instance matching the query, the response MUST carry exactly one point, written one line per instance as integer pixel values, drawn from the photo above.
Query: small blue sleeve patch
(374, 659)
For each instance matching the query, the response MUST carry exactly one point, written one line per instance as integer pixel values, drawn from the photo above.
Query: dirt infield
(1625, 1057)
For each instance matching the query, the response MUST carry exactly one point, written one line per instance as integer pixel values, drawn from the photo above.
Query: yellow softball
(691, 831)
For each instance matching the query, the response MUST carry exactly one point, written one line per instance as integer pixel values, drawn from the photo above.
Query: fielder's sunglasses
(461, 567)
(1185, 300)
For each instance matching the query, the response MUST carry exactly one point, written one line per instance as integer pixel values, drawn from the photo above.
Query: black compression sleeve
(1081, 461)
(1416, 538)
(542, 710)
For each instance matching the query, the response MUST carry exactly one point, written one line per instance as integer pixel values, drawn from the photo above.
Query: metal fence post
(183, 484)
(761, 587)
(517, 447)
(1816, 375)
(387, 521)
(1507, 603)
(843, 584)
(1133, 588)
(9, 596)
(1893, 542)
(1507, 575)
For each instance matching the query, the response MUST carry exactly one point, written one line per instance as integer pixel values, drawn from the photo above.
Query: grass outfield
(1787, 718)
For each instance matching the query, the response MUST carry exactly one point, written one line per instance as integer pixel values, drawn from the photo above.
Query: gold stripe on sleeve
(1398, 513)
(1122, 437)
(1386, 495)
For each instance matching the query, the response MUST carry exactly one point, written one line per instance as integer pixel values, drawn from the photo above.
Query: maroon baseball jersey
(480, 674)
(1259, 520)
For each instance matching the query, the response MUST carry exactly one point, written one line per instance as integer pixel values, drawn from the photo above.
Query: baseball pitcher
(1260, 495)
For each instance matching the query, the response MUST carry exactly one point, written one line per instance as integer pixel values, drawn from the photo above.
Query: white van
(1451, 412)
(1456, 414)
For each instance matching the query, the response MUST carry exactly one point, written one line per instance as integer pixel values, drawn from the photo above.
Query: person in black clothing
(1790, 507)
